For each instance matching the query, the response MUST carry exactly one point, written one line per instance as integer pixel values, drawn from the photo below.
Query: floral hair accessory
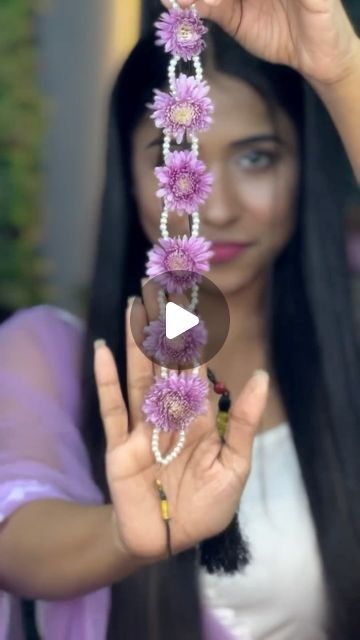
(178, 263)
(173, 402)
(184, 183)
(183, 350)
(181, 33)
(187, 111)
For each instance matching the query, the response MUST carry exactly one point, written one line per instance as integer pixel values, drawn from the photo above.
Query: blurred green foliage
(22, 269)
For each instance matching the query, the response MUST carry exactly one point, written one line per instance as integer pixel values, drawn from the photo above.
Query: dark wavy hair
(312, 340)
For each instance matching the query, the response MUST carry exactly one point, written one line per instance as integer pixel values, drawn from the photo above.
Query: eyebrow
(242, 142)
(155, 142)
(261, 137)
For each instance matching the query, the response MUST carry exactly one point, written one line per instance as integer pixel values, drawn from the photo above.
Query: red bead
(220, 388)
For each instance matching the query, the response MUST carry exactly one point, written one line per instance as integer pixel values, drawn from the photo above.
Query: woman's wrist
(342, 100)
(343, 72)
(125, 561)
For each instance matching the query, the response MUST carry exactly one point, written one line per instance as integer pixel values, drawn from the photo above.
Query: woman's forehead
(240, 111)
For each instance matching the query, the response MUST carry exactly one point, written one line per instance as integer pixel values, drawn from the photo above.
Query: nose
(222, 207)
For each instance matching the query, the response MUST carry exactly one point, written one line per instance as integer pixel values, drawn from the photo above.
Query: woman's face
(250, 213)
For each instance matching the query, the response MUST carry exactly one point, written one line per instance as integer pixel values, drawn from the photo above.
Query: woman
(74, 549)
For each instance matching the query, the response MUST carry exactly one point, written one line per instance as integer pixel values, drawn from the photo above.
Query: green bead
(222, 420)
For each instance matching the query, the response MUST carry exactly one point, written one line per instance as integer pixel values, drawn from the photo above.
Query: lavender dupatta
(42, 455)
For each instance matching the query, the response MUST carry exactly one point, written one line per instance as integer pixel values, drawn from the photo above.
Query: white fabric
(281, 594)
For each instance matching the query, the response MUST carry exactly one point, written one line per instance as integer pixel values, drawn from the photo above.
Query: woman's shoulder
(42, 316)
(43, 325)
(42, 343)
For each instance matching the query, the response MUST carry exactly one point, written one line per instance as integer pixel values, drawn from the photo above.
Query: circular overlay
(197, 333)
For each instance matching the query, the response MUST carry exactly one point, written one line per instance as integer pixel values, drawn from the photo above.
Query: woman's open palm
(203, 484)
(315, 37)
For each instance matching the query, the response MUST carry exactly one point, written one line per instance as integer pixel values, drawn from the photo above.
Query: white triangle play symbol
(178, 320)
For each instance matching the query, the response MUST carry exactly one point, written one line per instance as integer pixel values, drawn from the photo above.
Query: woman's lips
(224, 251)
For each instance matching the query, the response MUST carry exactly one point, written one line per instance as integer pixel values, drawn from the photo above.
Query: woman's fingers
(205, 8)
(150, 290)
(186, 4)
(244, 419)
(112, 406)
(139, 367)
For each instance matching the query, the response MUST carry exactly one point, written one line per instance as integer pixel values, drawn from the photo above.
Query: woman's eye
(256, 159)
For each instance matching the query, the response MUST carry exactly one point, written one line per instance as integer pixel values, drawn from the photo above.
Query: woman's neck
(248, 309)
(247, 345)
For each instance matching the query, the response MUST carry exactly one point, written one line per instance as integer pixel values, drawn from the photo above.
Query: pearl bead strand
(165, 460)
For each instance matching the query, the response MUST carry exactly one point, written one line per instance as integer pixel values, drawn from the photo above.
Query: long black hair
(312, 340)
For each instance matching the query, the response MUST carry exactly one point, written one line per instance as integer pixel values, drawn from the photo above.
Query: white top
(280, 595)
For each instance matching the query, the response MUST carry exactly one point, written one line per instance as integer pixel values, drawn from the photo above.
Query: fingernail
(144, 281)
(262, 375)
(260, 372)
(130, 301)
(99, 343)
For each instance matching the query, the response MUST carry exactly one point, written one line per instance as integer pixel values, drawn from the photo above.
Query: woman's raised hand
(315, 37)
(203, 484)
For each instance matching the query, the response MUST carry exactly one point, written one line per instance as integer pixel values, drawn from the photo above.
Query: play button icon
(178, 320)
(182, 330)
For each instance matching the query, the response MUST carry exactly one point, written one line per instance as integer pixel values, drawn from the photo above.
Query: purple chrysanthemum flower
(181, 32)
(184, 182)
(172, 403)
(182, 350)
(178, 263)
(188, 110)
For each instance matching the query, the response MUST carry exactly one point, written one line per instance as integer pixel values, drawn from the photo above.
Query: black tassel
(226, 553)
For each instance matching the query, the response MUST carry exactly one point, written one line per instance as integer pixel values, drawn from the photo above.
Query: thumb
(244, 419)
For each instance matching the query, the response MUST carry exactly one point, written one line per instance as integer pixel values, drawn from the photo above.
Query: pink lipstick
(225, 251)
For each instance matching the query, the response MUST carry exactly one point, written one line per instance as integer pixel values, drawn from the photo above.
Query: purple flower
(181, 32)
(188, 110)
(178, 263)
(184, 182)
(172, 403)
(182, 350)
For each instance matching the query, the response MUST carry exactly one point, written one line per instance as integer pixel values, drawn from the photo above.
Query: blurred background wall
(82, 45)
(58, 59)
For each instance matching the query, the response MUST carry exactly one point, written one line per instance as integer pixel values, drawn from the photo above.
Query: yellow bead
(165, 509)
(222, 420)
